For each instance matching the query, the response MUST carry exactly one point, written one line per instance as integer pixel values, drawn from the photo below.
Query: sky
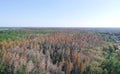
(59, 13)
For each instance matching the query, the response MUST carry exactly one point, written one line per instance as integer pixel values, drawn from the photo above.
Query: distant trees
(68, 52)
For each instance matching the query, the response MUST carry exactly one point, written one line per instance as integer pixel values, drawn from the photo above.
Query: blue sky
(59, 13)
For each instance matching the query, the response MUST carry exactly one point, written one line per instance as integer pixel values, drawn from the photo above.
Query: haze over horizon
(59, 13)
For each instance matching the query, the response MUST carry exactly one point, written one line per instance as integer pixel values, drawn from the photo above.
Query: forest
(59, 51)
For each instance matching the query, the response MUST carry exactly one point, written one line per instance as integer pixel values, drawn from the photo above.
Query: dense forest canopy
(59, 51)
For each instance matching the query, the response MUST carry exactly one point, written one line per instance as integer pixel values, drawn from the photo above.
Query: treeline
(20, 34)
(65, 52)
